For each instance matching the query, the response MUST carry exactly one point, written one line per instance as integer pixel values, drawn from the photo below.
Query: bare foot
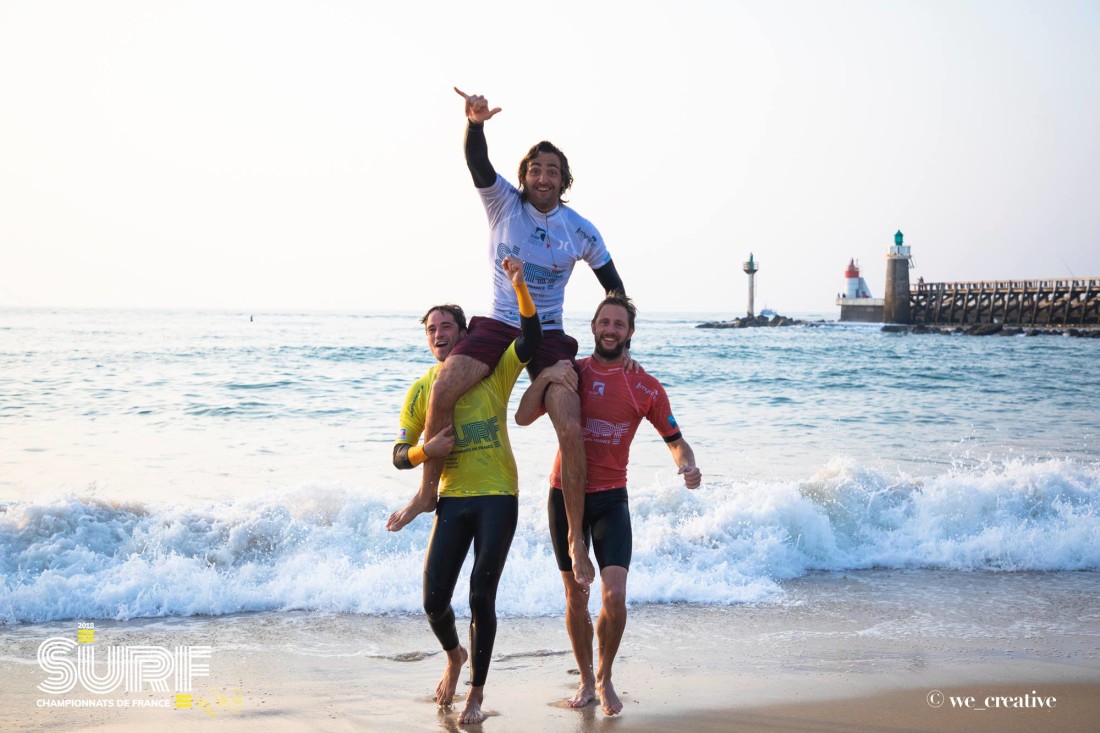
(583, 572)
(609, 699)
(445, 692)
(472, 712)
(586, 693)
(412, 510)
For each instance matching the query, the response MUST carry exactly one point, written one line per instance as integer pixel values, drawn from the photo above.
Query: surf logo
(602, 431)
(133, 668)
(537, 276)
(596, 389)
(504, 251)
(477, 433)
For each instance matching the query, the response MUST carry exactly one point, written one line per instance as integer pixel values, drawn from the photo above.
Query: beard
(616, 352)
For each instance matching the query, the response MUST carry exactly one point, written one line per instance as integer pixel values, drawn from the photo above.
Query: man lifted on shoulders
(531, 223)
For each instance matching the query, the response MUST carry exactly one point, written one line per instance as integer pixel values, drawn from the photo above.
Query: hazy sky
(307, 155)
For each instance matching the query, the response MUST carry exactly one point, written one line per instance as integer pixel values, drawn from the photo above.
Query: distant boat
(767, 313)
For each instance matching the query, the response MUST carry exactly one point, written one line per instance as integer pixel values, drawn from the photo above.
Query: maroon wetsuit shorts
(487, 340)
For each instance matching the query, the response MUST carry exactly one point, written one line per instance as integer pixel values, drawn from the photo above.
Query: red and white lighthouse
(856, 285)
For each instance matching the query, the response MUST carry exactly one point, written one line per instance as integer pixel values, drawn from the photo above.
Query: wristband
(523, 295)
(417, 455)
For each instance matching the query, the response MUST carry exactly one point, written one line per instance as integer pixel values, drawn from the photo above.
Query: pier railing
(1010, 302)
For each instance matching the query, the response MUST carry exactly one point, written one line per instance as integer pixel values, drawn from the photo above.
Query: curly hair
(544, 147)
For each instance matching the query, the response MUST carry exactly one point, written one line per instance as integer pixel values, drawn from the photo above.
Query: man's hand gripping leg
(457, 375)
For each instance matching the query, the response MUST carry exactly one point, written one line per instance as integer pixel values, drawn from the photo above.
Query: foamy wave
(1012, 516)
(327, 549)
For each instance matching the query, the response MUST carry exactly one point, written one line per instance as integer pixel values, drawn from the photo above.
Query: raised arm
(530, 336)
(685, 461)
(477, 107)
(477, 149)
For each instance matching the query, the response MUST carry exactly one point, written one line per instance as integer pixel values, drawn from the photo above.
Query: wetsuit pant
(489, 522)
(606, 525)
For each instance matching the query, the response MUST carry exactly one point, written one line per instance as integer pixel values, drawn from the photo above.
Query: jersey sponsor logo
(402, 435)
(538, 237)
(596, 389)
(475, 434)
(651, 392)
(602, 431)
(672, 421)
(415, 399)
(590, 238)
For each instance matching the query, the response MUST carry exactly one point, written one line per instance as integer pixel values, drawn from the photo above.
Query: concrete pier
(1058, 304)
(1011, 303)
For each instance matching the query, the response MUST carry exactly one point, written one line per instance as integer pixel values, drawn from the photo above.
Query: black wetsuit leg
(496, 525)
(608, 516)
(489, 522)
(606, 527)
(447, 550)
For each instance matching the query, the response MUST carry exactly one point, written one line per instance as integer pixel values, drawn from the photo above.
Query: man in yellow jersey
(478, 494)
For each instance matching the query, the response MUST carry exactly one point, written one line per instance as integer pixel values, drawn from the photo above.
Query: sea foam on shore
(326, 549)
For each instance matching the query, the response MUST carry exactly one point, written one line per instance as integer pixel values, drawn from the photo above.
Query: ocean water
(163, 464)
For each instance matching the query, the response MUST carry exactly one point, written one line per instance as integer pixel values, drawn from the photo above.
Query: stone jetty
(753, 322)
(992, 329)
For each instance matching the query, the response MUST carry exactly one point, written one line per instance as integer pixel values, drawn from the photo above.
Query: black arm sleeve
(401, 456)
(609, 278)
(477, 156)
(530, 337)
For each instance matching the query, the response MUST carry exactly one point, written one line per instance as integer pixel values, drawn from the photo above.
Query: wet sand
(867, 651)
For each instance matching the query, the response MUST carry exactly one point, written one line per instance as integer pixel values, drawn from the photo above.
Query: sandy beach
(865, 651)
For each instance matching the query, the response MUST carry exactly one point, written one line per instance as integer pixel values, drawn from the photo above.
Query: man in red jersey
(613, 404)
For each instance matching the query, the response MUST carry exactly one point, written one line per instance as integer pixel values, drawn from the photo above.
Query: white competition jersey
(549, 245)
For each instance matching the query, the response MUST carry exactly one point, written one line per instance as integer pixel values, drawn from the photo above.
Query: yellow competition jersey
(481, 463)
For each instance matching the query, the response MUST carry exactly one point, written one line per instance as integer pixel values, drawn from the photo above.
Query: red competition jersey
(613, 404)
